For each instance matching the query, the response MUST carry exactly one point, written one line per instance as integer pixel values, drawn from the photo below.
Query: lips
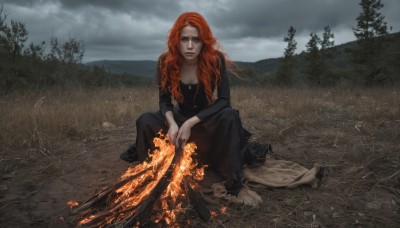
(189, 53)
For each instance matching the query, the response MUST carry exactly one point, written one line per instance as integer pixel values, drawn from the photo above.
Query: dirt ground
(353, 193)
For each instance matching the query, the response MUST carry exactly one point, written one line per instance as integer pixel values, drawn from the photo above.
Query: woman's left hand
(183, 134)
(185, 131)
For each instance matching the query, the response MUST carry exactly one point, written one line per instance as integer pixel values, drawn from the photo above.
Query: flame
(128, 196)
(223, 210)
(72, 203)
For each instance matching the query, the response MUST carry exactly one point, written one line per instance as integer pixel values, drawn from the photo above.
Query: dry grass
(354, 134)
(32, 123)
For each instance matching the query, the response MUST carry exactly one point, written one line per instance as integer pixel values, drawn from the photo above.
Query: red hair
(208, 68)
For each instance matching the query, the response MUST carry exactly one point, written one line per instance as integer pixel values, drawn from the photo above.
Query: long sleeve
(223, 99)
(165, 101)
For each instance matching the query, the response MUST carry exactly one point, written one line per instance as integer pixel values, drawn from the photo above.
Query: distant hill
(265, 65)
(144, 68)
(147, 68)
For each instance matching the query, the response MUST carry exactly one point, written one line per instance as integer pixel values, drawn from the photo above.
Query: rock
(108, 125)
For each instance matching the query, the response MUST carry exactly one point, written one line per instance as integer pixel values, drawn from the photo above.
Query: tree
(327, 54)
(35, 51)
(16, 36)
(318, 53)
(70, 52)
(30, 67)
(313, 60)
(287, 64)
(73, 51)
(327, 39)
(3, 41)
(3, 50)
(12, 38)
(12, 41)
(368, 55)
(3, 29)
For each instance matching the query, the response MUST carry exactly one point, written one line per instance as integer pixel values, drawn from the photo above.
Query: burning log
(102, 196)
(144, 210)
(197, 201)
(156, 184)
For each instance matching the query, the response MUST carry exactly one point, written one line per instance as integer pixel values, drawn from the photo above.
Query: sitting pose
(192, 74)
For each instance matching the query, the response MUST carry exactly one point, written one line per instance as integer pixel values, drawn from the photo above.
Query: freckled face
(190, 44)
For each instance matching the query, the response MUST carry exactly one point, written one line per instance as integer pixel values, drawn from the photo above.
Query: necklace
(190, 86)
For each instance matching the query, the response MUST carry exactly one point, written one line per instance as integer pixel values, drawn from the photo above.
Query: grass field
(56, 146)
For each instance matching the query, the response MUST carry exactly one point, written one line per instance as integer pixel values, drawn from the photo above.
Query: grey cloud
(137, 8)
(137, 29)
(273, 18)
(27, 2)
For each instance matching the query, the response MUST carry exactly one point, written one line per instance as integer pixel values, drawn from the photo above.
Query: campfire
(155, 191)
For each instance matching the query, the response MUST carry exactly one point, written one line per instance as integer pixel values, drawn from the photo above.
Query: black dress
(219, 136)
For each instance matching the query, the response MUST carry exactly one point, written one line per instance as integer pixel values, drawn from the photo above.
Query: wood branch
(143, 211)
(138, 214)
(105, 193)
(113, 211)
(197, 201)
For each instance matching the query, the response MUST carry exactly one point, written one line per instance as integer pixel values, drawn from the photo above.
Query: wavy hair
(209, 60)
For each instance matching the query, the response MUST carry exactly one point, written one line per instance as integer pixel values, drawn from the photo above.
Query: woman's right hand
(173, 132)
(173, 127)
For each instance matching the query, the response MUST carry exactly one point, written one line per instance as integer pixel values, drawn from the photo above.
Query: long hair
(208, 67)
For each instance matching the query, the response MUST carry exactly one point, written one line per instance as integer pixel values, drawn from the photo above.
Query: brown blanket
(272, 173)
(280, 173)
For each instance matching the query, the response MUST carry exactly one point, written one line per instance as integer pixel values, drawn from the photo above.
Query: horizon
(137, 30)
(155, 60)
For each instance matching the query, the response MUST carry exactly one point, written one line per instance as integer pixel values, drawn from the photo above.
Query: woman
(193, 73)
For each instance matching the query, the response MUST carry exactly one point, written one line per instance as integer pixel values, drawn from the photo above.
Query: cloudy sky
(137, 29)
